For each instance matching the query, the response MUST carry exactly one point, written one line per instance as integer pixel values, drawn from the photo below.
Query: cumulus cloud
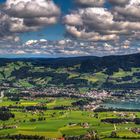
(67, 47)
(30, 42)
(17, 16)
(91, 36)
(31, 8)
(73, 19)
(92, 3)
(93, 22)
(5, 28)
(119, 2)
(19, 52)
(130, 12)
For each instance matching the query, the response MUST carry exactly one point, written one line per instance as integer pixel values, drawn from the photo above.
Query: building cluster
(136, 130)
(98, 95)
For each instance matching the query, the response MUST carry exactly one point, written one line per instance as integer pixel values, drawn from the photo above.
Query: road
(2, 95)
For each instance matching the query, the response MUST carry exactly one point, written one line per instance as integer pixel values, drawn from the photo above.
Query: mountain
(109, 72)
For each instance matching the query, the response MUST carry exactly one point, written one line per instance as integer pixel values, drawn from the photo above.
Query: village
(96, 97)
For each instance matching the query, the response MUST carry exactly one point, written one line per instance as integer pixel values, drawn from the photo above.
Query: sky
(65, 28)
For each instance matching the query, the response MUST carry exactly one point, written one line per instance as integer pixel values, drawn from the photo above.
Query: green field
(59, 122)
(26, 75)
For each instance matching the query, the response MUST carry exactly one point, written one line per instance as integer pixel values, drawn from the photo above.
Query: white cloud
(92, 3)
(43, 40)
(31, 8)
(31, 42)
(67, 48)
(118, 27)
(93, 21)
(73, 19)
(20, 52)
(91, 36)
(17, 16)
(119, 2)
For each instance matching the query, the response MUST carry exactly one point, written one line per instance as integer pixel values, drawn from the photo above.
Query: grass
(57, 126)
(123, 73)
(24, 83)
(83, 90)
(73, 75)
(123, 133)
(60, 102)
(57, 121)
(96, 79)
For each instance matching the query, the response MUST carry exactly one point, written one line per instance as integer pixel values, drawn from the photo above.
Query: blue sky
(53, 32)
(69, 27)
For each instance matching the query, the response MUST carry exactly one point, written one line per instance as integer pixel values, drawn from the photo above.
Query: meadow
(58, 122)
(34, 73)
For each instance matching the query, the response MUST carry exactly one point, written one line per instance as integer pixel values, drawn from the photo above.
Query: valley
(69, 98)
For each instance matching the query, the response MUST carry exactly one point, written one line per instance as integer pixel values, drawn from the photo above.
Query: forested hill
(92, 62)
(99, 72)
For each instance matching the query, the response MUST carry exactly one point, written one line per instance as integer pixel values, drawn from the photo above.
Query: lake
(125, 104)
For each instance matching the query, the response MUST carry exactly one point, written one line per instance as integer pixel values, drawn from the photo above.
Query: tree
(113, 134)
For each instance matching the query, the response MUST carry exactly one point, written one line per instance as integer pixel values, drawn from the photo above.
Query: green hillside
(90, 72)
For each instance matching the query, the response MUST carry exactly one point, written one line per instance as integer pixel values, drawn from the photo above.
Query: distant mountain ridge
(76, 59)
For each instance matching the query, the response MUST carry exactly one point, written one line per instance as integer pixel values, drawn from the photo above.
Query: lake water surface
(123, 104)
